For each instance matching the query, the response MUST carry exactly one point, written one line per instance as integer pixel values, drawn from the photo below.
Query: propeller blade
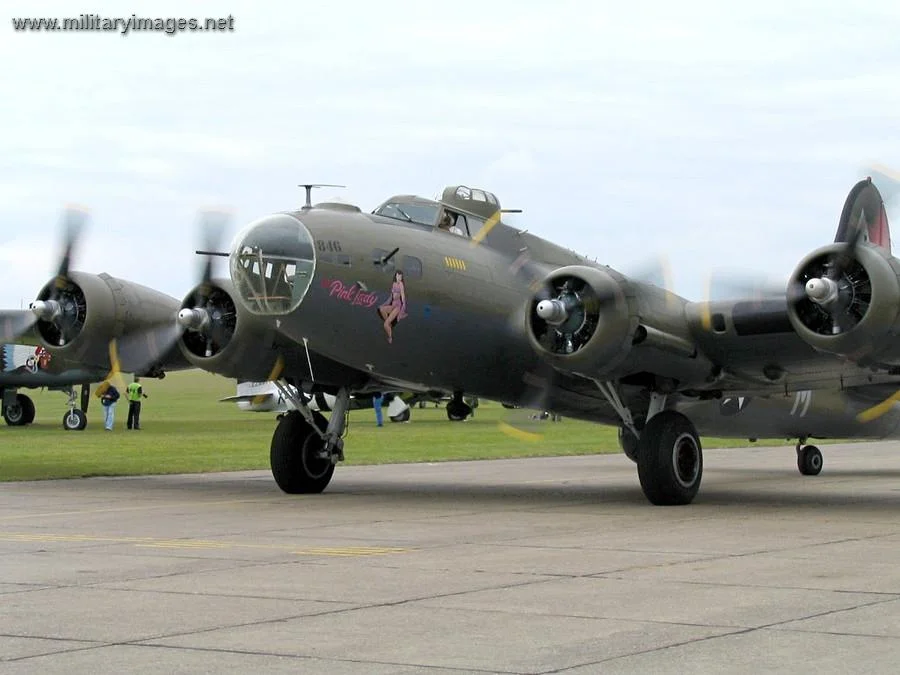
(141, 349)
(841, 261)
(213, 224)
(115, 373)
(742, 286)
(526, 422)
(14, 323)
(656, 271)
(274, 375)
(74, 219)
(879, 409)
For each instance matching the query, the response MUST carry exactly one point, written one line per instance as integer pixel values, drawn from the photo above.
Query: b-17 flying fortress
(435, 296)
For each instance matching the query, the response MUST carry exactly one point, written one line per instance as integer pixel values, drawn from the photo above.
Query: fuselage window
(475, 225)
(412, 267)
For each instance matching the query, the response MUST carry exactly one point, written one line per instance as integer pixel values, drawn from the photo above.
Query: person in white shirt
(447, 224)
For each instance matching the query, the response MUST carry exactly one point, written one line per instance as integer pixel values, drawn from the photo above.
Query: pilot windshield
(421, 214)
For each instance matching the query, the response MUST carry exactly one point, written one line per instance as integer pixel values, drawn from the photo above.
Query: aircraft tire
(294, 468)
(670, 459)
(401, 417)
(809, 460)
(74, 420)
(19, 413)
(629, 444)
(27, 408)
(458, 412)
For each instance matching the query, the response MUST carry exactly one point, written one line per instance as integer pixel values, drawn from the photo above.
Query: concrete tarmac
(522, 566)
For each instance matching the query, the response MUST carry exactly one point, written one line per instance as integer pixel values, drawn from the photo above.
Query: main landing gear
(305, 446)
(809, 459)
(75, 419)
(19, 412)
(667, 450)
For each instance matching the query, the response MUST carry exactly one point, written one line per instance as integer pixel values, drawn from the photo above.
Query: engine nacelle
(92, 309)
(222, 337)
(852, 312)
(583, 320)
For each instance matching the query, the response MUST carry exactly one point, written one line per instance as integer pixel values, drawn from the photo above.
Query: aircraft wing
(246, 398)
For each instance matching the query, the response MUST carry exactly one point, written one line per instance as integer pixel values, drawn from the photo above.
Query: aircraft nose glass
(272, 265)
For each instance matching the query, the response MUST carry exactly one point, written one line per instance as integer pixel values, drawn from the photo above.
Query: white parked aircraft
(266, 397)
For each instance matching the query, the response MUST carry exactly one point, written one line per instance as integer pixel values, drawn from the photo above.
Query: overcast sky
(720, 134)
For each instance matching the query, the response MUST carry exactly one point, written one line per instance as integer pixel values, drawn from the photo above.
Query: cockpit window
(421, 214)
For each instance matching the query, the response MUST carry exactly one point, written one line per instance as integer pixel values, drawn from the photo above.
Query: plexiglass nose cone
(272, 264)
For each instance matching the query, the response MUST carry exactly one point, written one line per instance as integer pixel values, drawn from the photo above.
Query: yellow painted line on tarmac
(123, 509)
(151, 542)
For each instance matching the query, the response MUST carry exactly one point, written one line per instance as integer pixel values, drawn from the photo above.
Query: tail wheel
(670, 459)
(458, 411)
(74, 420)
(294, 456)
(809, 460)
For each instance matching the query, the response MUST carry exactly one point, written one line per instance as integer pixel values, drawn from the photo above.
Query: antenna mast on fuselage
(309, 186)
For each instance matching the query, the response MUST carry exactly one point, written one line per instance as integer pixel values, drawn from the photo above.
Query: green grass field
(186, 430)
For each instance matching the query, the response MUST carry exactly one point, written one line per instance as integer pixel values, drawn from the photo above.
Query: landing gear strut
(305, 446)
(74, 419)
(809, 459)
(666, 449)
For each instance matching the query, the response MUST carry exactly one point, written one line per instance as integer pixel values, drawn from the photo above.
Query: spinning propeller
(206, 322)
(563, 312)
(832, 292)
(63, 308)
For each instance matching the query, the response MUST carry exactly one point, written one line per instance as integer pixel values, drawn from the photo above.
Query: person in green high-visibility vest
(134, 392)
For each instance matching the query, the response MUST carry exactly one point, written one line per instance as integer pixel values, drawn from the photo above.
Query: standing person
(377, 400)
(108, 399)
(134, 392)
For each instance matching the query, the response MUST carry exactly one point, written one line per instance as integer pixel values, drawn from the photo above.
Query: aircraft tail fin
(865, 208)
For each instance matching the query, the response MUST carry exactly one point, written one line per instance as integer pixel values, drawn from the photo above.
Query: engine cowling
(850, 308)
(222, 337)
(582, 319)
(95, 308)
